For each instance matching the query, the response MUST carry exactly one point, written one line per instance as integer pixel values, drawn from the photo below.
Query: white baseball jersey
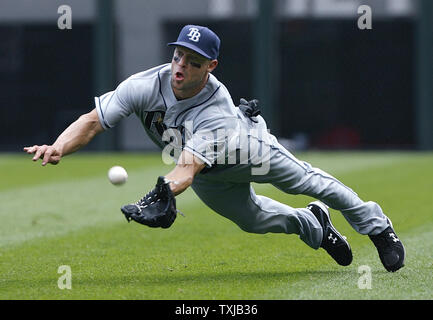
(150, 97)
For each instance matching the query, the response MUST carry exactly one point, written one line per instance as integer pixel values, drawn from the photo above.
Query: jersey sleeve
(115, 105)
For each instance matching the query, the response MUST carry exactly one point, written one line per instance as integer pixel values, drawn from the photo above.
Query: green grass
(69, 215)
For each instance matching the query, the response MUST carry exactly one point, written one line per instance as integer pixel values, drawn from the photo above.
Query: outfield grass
(69, 215)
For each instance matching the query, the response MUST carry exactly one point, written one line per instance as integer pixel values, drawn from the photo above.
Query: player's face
(189, 72)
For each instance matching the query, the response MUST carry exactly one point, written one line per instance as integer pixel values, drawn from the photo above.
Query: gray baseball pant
(227, 190)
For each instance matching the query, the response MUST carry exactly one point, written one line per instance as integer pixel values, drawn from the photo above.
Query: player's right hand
(48, 154)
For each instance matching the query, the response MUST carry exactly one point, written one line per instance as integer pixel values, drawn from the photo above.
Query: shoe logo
(334, 240)
(394, 237)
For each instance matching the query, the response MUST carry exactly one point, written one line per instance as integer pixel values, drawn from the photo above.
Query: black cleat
(333, 242)
(390, 249)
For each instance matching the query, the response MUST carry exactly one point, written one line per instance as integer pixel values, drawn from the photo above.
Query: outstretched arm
(182, 175)
(76, 136)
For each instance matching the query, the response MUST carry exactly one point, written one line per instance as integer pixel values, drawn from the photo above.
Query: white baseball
(117, 175)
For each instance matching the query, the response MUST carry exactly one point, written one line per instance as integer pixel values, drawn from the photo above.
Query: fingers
(40, 150)
(48, 154)
(30, 150)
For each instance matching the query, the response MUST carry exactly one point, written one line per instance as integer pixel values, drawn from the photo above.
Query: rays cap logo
(199, 39)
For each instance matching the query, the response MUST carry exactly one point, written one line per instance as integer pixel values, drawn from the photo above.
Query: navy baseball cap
(199, 39)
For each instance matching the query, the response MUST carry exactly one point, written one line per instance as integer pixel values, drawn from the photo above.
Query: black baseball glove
(155, 209)
(250, 108)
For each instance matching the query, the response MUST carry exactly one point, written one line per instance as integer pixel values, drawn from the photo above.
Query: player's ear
(212, 65)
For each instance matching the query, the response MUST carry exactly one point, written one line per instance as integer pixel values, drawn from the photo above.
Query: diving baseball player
(219, 149)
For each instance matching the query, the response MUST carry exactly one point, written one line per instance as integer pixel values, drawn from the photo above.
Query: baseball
(117, 175)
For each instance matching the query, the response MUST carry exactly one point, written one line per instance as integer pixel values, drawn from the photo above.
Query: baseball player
(219, 149)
